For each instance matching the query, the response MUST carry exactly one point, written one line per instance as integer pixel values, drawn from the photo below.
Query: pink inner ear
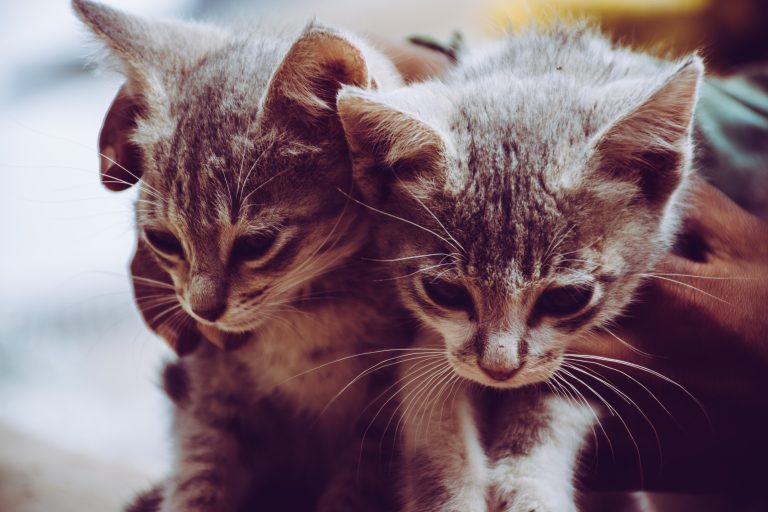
(120, 161)
(313, 71)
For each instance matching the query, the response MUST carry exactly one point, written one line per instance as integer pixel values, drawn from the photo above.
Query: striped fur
(238, 138)
(522, 198)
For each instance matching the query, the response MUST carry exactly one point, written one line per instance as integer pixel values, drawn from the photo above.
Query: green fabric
(732, 134)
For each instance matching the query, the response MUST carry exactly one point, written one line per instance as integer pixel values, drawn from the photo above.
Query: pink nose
(210, 312)
(498, 373)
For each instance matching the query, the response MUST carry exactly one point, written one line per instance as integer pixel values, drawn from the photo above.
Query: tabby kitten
(523, 196)
(241, 158)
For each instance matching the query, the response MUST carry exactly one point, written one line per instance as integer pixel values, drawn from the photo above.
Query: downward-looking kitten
(241, 158)
(522, 199)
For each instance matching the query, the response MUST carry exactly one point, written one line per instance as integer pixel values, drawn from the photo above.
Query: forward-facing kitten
(241, 158)
(522, 199)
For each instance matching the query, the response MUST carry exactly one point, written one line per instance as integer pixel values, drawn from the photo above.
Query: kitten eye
(448, 295)
(564, 300)
(164, 241)
(253, 247)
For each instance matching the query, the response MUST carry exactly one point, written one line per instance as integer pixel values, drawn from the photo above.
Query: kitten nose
(210, 312)
(207, 296)
(498, 373)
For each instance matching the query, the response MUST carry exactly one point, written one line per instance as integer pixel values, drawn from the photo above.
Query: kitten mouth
(224, 340)
(517, 379)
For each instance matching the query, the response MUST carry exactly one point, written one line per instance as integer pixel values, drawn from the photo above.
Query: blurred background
(81, 414)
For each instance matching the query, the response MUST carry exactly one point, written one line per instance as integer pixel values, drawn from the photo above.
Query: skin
(716, 348)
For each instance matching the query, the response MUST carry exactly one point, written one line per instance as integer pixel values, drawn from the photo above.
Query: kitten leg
(445, 467)
(535, 449)
(208, 476)
(209, 431)
(364, 479)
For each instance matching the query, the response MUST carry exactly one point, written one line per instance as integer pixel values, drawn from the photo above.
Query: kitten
(522, 198)
(241, 158)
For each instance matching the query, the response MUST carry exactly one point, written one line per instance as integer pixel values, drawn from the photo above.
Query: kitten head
(240, 155)
(520, 212)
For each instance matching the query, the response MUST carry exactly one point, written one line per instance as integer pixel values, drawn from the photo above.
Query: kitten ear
(382, 138)
(314, 69)
(651, 145)
(142, 45)
(119, 158)
(149, 54)
(128, 36)
(127, 39)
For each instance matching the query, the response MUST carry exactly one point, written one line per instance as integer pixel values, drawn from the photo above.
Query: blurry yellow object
(519, 13)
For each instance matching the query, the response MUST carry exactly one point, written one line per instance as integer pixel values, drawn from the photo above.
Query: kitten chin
(224, 340)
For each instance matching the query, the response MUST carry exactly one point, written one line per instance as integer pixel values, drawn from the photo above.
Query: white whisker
(629, 346)
(654, 276)
(456, 242)
(387, 214)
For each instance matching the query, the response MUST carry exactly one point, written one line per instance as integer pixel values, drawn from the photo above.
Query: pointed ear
(141, 44)
(127, 36)
(145, 52)
(651, 145)
(305, 85)
(128, 41)
(386, 143)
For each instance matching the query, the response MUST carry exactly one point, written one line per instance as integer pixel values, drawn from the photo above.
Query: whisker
(419, 271)
(556, 389)
(629, 346)
(420, 367)
(647, 370)
(441, 386)
(133, 175)
(655, 398)
(404, 258)
(456, 379)
(687, 286)
(560, 239)
(375, 367)
(387, 214)
(164, 313)
(154, 303)
(456, 242)
(579, 398)
(715, 278)
(412, 350)
(429, 386)
(253, 166)
(413, 397)
(419, 363)
(623, 396)
(264, 184)
(614, 412)
(153, 282)
(311, 257)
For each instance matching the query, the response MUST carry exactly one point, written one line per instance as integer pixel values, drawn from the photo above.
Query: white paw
(531, 496)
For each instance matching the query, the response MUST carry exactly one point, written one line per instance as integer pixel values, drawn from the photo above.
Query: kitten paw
(530, 497)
